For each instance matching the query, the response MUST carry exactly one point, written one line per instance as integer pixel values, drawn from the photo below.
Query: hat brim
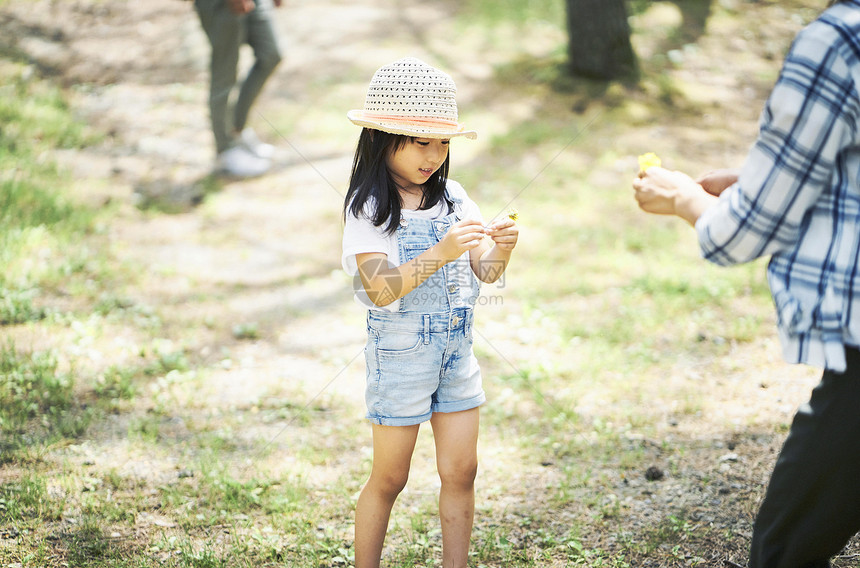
(359, 118)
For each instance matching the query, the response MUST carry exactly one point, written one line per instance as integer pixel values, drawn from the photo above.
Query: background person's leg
(225, 32)
(262, 37)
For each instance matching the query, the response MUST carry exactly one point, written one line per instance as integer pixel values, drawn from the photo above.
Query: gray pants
(227, 32)
(812, 504)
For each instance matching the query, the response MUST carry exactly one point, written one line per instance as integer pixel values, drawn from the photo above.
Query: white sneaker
(251, 142)
(238, 161)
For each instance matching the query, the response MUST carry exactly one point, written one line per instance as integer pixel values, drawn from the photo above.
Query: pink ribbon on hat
(400, 119)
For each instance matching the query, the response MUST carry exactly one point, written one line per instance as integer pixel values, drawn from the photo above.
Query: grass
(34, 215)
(615, 349)
(39, 222)
(27, 499)
(40, 249)
(37, 404)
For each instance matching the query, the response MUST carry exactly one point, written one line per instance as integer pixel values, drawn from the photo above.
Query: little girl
(416, 243)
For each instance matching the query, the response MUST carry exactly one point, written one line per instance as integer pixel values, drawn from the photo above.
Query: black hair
(371, 181)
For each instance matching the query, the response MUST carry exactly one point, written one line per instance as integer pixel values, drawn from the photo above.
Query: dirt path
(247, 285)
(260, 252)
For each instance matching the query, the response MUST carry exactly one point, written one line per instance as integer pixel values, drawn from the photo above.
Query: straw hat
(411, 98)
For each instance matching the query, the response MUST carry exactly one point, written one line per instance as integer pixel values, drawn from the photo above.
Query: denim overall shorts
(419, 359)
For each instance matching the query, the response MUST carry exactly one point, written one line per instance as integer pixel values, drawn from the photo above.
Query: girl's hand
(504, 233)
(461, 237)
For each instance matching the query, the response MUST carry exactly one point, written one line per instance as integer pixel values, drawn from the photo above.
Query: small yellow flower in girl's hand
(512, 214)
(649, 160)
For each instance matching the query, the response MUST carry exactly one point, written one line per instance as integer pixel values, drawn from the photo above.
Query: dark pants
(812, 505)
(227, 32)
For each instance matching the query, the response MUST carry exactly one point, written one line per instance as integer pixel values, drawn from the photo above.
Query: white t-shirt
(360, 236)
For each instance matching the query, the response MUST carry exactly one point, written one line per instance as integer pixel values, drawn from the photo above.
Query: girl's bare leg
(392, 454)
(456, 436)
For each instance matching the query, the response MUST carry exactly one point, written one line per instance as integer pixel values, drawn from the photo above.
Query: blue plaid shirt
(798, 195)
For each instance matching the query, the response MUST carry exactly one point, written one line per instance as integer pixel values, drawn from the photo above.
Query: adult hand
(240, 7)
(666, 192)
(658, 188)
(717, 181)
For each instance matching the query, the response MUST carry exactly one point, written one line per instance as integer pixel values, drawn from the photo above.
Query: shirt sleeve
(470, 209)
(809, 118)
(360, 236)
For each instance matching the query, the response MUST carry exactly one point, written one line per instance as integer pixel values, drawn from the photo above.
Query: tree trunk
(599, 39)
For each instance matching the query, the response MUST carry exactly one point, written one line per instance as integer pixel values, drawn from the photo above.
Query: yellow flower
(649, 160)
(513, 214)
